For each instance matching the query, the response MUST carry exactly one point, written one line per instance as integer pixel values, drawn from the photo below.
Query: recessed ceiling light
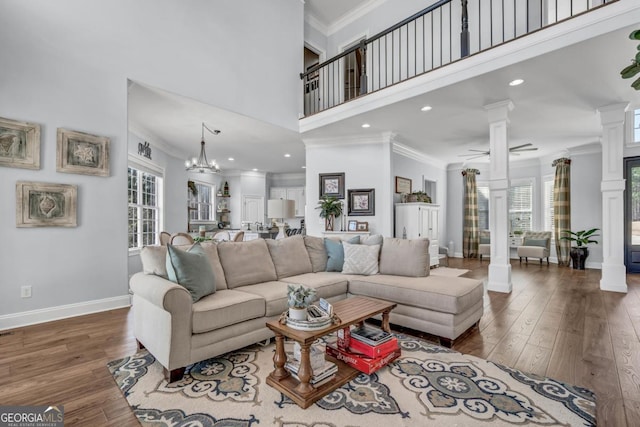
(516, 82)
(231, 159)
(426, 108)
(366, 125)
(255, 169)
(287, 155)
(304, 167)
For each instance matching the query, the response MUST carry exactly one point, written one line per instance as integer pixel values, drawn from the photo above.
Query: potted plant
(299, 299)
(580, 251)
(330, 207)
(419, 196)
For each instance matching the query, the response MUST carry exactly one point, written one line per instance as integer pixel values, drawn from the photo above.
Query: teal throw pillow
(485, 240)
(335, 252)
(191, 269)
(535, 242)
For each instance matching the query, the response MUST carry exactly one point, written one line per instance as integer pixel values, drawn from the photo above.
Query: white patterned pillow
(360, 259)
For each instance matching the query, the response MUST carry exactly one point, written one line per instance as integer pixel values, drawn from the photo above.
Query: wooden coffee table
(350, 311)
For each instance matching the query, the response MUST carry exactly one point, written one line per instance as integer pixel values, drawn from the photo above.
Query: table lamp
(281, 209)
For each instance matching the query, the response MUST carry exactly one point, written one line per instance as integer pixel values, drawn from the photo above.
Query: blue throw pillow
(335, 252)
(535, 242)
(191, 269)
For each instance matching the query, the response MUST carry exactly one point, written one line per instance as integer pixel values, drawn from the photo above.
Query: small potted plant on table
(299, 299)
(580, 251)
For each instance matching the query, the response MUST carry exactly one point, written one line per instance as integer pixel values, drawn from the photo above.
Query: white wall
(70, 61)
(366, 165)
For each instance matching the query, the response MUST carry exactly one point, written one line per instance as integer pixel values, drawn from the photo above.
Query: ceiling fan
(512, 150)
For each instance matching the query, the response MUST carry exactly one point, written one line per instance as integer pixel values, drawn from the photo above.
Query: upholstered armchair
(535, 244)
(484, 248)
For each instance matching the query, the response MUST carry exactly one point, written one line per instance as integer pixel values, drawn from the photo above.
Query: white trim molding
(26, 318)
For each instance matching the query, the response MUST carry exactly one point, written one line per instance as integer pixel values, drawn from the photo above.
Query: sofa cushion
(402, 257)
(335, 252)
(317, 253)
(191, 269)
(154, 260)
(273, 293)
(289, 256)
(327, 284)
(445, 294)
(246, 263)
(225, 307)
(374, 239)
(360, 259)
(533, 251)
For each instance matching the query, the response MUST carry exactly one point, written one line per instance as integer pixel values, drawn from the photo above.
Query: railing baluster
(352, 73)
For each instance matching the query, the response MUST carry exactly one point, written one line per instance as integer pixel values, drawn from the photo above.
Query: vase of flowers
(299, 299)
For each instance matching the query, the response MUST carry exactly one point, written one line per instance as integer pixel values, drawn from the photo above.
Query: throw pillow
(191, 269)
(335, 252)
(485, 240)
(535, 242)
(154, 260)
(405, 257)
(360, 259)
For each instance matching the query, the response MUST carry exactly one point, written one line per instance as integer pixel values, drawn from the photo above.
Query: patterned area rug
(428, 386)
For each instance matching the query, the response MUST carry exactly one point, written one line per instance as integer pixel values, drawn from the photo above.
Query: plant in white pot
(299, 299)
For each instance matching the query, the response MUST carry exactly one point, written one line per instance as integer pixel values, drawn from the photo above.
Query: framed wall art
(19, 144)
(363, 226)
(332, 184)
(82, 153)
(403, 185)
(362, 202)
(40, 204)
(352, 225)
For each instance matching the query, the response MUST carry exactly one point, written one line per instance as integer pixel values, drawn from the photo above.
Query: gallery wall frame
(403, 185)
(41, 204)
(362, 202)
(332, 184)
(19, 144)
(82, 153)
(362, 226)
(352, 225)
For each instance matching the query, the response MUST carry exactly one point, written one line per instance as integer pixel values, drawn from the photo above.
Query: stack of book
(365, 348)
(321, 375)
(323, 370)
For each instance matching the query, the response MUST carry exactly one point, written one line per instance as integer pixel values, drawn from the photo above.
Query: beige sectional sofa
(251, 281)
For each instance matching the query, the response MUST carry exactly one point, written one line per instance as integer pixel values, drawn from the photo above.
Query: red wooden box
(361, 362)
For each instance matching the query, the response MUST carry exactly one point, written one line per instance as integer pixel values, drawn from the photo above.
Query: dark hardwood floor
(556, 323)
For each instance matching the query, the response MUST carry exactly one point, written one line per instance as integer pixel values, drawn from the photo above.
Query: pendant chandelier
(201, 164)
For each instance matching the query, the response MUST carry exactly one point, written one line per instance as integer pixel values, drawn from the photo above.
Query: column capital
(612, 113)
(499, 111)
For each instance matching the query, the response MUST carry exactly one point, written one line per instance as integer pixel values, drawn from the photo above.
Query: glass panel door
(632, 215)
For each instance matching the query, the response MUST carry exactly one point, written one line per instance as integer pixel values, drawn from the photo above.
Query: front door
(632, 214)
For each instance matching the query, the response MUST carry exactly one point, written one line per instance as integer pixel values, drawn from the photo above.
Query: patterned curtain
(470, 230)
(562, 207)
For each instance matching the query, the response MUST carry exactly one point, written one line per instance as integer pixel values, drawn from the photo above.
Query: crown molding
(353, 15)
(379, 138)
(314, 22)
(416, 155)
(284, 175)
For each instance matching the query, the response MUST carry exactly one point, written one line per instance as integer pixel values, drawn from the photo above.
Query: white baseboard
(26, 318)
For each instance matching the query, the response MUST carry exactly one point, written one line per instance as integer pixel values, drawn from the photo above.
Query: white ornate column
(500, 266)
(614, 272)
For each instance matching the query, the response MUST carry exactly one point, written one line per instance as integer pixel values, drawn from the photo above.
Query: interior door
(253, 209)
(632, 214)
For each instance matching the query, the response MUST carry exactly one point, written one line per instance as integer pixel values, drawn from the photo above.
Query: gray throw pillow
(191, 269)
(535, 242)
(360, 259)
(485, 240)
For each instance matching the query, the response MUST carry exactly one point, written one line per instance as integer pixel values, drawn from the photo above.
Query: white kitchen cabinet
(290, 193)
(420, 220)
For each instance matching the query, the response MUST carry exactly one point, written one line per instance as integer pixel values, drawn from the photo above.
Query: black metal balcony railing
(428, 40)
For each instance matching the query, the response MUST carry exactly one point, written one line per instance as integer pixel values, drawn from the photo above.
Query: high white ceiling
(328, 12)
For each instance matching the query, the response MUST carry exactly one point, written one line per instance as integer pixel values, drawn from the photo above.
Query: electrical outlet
(25, 292)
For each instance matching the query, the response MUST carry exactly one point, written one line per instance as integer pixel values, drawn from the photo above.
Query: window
(636, 125)
(548, 205)
(201, 204)
(144, 190)
(483, 207)
(521, 207)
